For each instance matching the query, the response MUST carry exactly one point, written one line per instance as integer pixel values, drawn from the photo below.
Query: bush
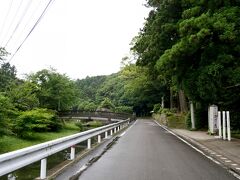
(80, 125)
(156, 107)
(107, 104)
(188, 120)
(123, 109)
(95, 124)
(7, 111)
(37, 120)
(165, 111)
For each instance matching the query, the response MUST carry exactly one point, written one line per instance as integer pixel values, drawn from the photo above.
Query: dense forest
(187, 51)
(192, 49)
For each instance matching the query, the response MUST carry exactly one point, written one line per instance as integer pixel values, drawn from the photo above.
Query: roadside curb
(207, 152)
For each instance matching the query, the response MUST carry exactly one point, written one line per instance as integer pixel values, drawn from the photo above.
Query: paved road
(148, 152)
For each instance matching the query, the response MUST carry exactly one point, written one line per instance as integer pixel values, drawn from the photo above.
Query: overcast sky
(76, 37)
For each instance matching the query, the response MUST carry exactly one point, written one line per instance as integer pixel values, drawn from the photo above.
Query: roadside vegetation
(187, 51)
(190, 50)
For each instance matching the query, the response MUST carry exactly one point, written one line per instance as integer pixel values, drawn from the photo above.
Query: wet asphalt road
(148, 152)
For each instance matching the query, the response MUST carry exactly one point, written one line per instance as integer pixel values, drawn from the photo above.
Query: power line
(5, 20)
(14, 18)
(34, 26)
(29, 19)
(19, 22)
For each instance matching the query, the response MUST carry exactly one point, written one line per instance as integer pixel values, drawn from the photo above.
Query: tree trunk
(162, 104)
(182, 101)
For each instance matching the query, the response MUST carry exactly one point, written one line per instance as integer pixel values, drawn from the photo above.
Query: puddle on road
(93, 160)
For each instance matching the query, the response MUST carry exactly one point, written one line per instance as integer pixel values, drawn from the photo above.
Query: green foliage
(24, 95)
(123, 109)
(95, 124)
(107, 104)
(7, 111)
(7, 76)
(80, 126)
(37, 120)
(165, 111)
(56, 91)
(89, 87)
(194, 46)
(188, 120)
(156, 107)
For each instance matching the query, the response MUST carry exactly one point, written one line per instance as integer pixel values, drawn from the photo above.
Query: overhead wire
(15, 15)
(29, 19)
(5, 19)
(19, 22)
(34, 26)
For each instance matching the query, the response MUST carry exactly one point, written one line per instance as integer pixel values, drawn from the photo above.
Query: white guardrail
(9, 162)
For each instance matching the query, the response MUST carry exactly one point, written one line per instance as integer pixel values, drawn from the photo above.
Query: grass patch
(235, 134)
(11, 143)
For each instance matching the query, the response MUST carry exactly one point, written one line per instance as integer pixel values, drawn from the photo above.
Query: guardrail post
(89, 143)
(72, 157)
(43, 173)
(224, 125)
(106, 135)
(228, 126)
(11, 177)
(99, 138)
(115, 130)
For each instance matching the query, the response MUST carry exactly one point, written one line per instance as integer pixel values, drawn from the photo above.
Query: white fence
(12, 161)
(224, 129)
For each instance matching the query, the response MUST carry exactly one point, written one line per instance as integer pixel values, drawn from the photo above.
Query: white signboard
(212, 119)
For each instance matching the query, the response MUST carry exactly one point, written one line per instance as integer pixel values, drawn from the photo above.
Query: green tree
(7, 76)
(24, 95)
(36, 120)
(56, 91)
(106, 104)
(7, 111)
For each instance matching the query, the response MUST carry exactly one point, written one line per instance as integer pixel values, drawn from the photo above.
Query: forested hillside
(31, 104)
(192, 48)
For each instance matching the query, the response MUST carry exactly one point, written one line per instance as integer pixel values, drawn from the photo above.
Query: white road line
(123, 134)
(82, 168)
(234, 164)
(228, 161)
(218, 155)
(198, 150)
(128, 128)
(238, 168)
(223, 158)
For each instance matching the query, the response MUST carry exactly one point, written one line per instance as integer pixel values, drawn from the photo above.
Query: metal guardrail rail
(9, 162)
(89, 115)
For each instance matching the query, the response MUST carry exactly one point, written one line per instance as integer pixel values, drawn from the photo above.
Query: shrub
(156, 107)
(80, 125)
(123, 109)
(188, 120)
(7, 111)
(107, 104)
(165, 111)
(95, 124)
(37, 120)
